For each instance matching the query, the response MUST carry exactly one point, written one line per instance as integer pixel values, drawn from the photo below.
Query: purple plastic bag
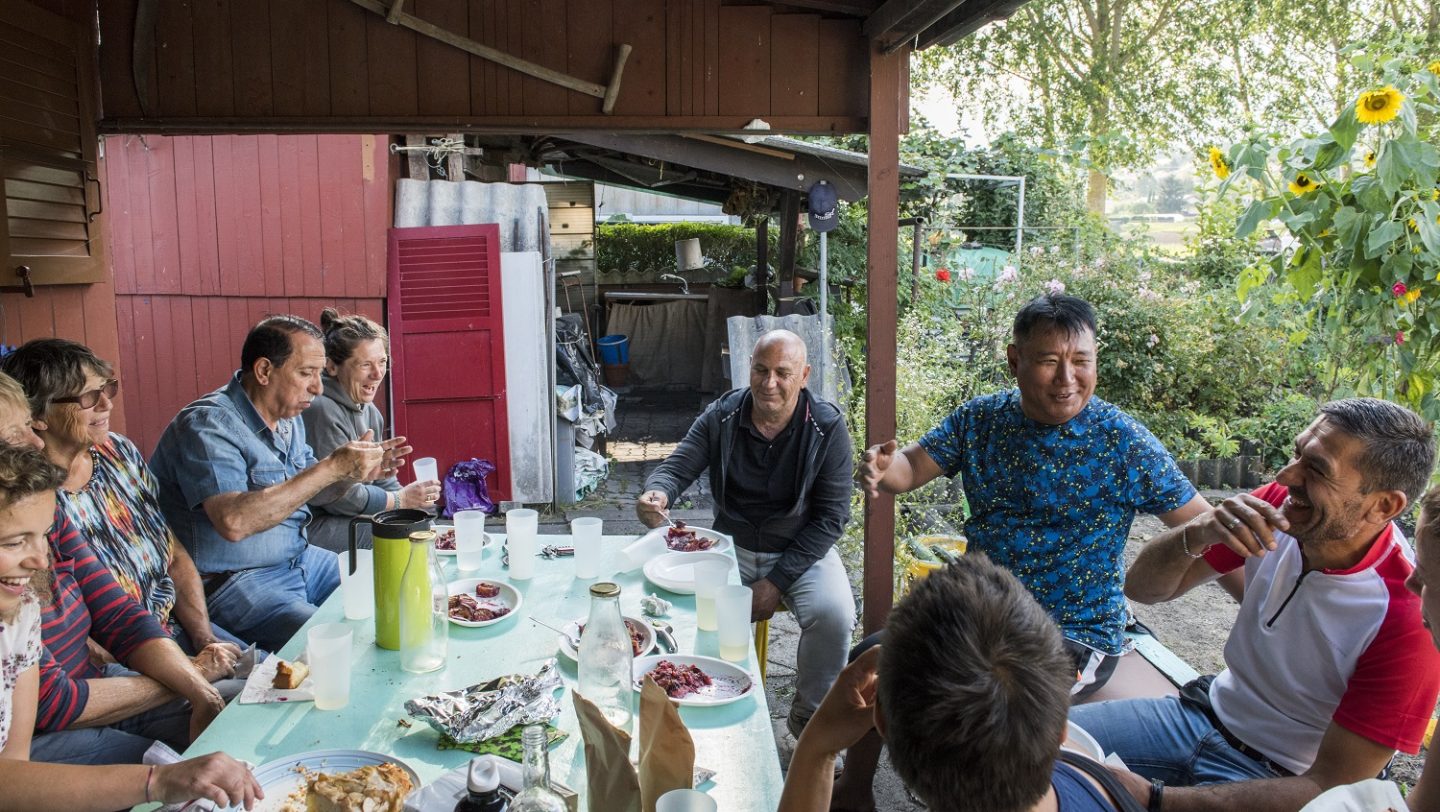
(464, 487)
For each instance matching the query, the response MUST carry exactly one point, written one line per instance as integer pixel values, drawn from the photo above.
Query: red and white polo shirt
(1309, 648)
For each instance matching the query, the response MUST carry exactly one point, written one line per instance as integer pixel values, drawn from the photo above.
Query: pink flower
(1054, 286)
(1007, 275)
(1153, 340)
(1398, 289)
(1399, 335)
(965, 273)
(943, 274)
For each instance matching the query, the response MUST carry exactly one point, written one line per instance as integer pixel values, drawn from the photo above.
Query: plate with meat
(695, 681)
(642, 637)
(687, 538)
(482, 602)
(675, 572)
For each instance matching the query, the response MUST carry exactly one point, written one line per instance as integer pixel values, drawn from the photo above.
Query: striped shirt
(88, 602)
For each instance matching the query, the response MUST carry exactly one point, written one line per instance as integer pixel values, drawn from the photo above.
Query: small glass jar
(424, 608)
(537, 796)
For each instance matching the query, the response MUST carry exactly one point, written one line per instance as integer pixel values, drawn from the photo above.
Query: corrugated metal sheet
(208, 234)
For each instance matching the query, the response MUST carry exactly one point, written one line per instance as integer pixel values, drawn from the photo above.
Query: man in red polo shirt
(1329, 667)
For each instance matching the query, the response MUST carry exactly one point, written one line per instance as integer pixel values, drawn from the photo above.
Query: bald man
(780, 468)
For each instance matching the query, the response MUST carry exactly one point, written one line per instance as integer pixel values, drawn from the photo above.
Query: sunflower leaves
(1346, 128)
(1254, 213)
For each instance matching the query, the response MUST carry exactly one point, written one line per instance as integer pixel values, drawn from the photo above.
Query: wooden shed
(73, 68)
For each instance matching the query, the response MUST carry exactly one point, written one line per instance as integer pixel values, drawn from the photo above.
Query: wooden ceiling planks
(328, 65)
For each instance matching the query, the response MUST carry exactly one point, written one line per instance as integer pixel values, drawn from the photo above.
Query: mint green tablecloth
(735, 740)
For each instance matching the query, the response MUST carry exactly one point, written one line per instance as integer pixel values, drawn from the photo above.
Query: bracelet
(1157, 794)
(148, 779)
(1185, 543)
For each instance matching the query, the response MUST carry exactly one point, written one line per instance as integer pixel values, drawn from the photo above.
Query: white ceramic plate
(281, 777)
(675, 572)
(442, 526)
(722, 541)
(730, 682)
(570, 632)
(509, 595)
(1080, 740)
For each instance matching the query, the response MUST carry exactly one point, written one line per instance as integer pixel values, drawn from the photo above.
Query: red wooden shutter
(448, 346)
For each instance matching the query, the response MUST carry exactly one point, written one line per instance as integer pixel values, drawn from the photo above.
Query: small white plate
(675, 572)
(570, 632)
(509, 595)
(730, 682)
(445, 526)
(281, 777)
(722, 541)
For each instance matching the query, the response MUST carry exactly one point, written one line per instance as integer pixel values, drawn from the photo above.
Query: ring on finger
(1232, 524)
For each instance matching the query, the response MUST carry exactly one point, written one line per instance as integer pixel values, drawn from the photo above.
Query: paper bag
(608, 774)
(667, 753)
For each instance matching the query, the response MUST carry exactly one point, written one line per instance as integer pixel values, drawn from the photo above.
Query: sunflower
(1414, 226)
(1219, 164)
(1370, 159)
(1303, 184)
(1379, 106)
(1411, 296)
(1434, 67)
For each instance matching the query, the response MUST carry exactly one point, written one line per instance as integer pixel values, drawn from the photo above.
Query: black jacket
(804, 533)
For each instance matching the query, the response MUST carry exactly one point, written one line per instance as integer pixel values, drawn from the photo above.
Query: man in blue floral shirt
(1054, 477)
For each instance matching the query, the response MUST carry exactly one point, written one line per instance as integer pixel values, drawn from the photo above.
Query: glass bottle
(424, 607)
(607, 660)
(482, 789)
(537, 795)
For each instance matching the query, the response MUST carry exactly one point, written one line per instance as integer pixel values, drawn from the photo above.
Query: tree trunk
(1095, 194)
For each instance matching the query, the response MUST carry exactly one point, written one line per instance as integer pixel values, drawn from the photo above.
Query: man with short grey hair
(780, 465)
(235, 473)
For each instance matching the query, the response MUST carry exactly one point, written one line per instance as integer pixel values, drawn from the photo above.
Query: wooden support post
(415, 159)
(455, 162)
(883, 232)
(762, 263)
(789, 236)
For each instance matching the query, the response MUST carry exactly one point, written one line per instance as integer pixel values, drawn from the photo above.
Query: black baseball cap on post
(824, 207)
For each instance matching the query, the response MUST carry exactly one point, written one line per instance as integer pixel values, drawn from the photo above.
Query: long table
(735, 740)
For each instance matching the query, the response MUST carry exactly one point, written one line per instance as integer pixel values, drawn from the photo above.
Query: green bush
(632, 252)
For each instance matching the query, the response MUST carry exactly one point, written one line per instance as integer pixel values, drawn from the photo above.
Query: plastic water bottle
(537, 795)
(607, 660)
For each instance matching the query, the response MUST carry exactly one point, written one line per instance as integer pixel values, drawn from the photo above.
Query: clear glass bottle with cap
(482, 789)
(537, 796)
(424, 608)
(607, 660)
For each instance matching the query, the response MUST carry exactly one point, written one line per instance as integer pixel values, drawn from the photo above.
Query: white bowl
(509, 595)
(675, 572)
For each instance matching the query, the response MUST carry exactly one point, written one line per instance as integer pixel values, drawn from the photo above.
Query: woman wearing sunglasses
(109, 492)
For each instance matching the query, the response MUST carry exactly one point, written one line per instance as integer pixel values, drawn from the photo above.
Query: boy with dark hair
(971, 690)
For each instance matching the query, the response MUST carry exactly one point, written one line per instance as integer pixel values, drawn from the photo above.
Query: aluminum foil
(481, 712)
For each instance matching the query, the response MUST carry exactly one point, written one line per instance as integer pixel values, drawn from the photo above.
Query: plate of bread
(332, 781)
(278, 680)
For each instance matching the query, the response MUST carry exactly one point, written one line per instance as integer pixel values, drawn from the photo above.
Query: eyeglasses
(87, 400)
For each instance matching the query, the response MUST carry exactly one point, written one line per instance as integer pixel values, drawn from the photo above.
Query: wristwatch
(1157, 793)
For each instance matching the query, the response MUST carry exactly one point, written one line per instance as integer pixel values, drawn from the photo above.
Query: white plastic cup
(637, 552)
(710, 576)
(426, 469)
(685, 800)
(469, 539)
(359, 589)
(328, 646)
(521, 526)
(585, 533)
(732, 610)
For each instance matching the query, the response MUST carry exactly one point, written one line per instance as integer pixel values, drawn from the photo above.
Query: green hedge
(631, 251)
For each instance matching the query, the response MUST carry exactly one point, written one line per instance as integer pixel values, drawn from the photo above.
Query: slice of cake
(290, 675)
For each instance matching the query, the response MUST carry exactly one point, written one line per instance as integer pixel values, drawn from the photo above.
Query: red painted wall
(208, 234)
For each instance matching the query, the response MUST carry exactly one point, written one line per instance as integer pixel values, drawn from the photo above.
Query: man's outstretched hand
(650, 508)
(873, 464)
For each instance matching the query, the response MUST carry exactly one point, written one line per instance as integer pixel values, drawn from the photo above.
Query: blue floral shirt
(1054, 504)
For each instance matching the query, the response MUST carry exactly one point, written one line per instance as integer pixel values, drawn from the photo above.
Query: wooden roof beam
(901, 18)
(965, 20)
(850, 8)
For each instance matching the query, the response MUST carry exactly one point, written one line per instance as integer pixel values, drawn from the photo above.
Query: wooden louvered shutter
(447, 341)
(47, 148)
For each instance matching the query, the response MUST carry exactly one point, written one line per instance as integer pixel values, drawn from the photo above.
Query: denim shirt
(1054, 504)
(219, 444)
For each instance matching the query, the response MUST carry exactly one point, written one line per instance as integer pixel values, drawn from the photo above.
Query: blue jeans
(126, 741)
(825, 610)
(1166, 739)
(266, 606)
